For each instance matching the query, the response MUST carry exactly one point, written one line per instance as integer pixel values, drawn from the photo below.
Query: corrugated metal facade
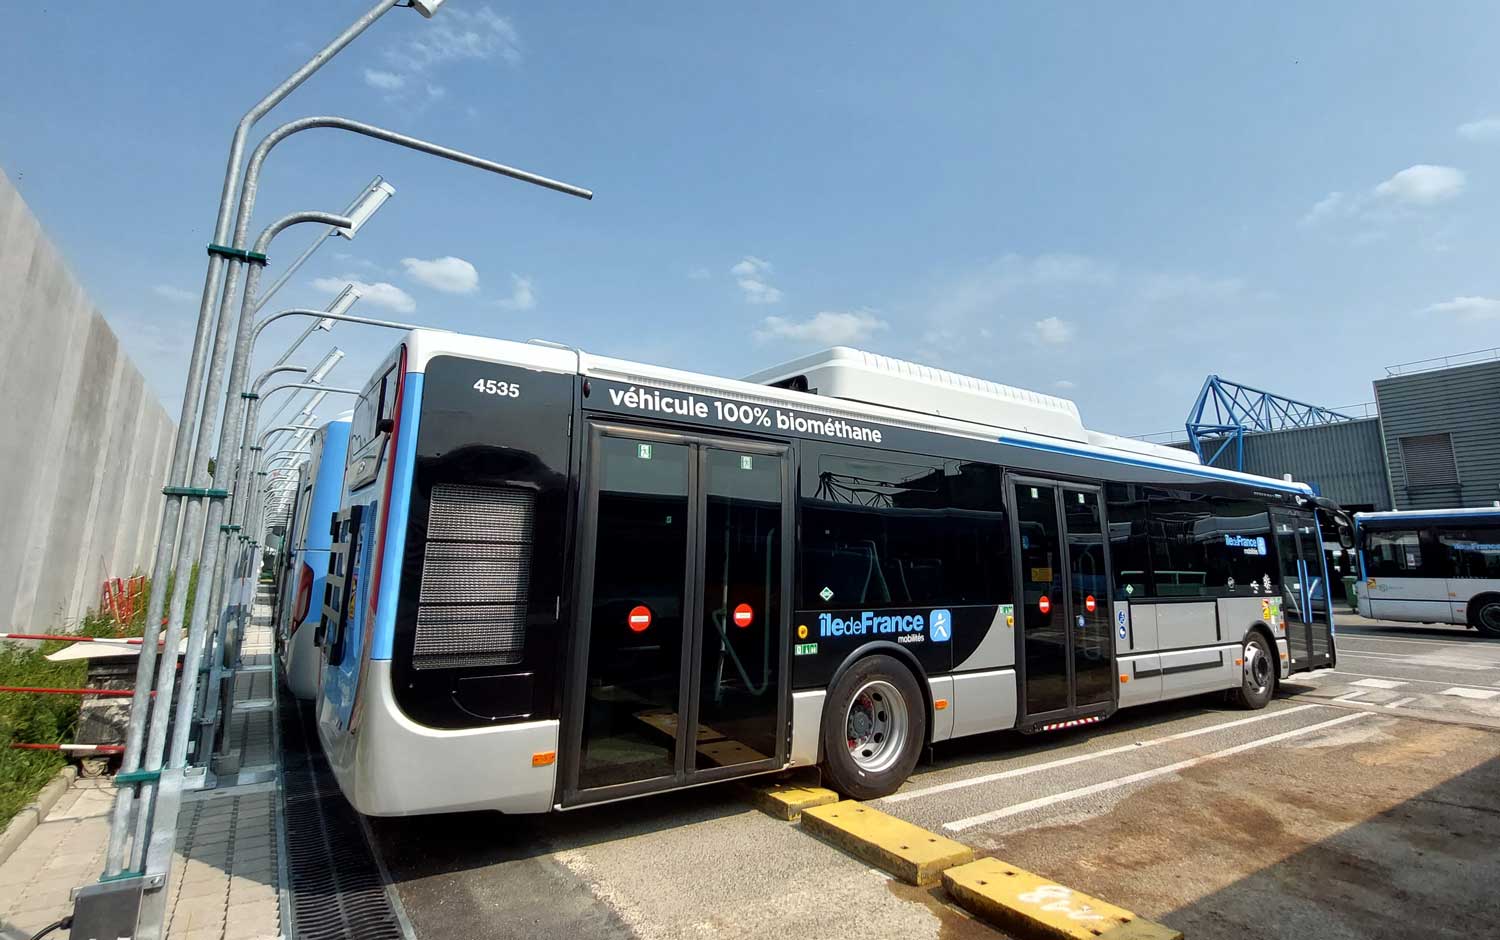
(1462, 402)
(1344, 461)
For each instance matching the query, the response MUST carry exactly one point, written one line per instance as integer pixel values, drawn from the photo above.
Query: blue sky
(1101, 201)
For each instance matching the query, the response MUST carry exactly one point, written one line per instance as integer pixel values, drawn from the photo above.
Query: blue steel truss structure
(1225, 410)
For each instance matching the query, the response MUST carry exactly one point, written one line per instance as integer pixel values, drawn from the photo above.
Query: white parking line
(1380, 683)
(1480, 694)
(1414, 679)
(1401, 701)
(1473, 641)
(1016, 808)
(1080, 758)
(1349, 696)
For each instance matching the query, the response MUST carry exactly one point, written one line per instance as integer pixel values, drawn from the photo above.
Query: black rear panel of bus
(477, 632)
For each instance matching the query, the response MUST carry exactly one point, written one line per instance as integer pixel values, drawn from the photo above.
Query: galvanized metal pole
(207, 706)
(180, 471)
(155, 837)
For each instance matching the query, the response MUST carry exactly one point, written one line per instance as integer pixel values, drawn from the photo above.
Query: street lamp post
(179, 474)
(156, 830)
(359, 212)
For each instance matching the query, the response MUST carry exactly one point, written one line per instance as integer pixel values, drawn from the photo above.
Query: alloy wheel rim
(875, 727)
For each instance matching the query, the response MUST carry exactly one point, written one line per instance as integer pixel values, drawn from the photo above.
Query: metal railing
(1444, 362)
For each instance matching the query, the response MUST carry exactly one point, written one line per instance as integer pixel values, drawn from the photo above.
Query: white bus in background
(1431, 566)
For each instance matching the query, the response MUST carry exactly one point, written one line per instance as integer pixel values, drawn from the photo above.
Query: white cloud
(174, 293)
(1065, 385)
(522, 295)
(384, 81)
(1323, 208)
(1482, 129)
(448, 274)
(1054, 331)
(457, 35)
(750, 274)
(1422, 185)
(1467, 308)
(379, 294)
(698, 274)
(827, 328)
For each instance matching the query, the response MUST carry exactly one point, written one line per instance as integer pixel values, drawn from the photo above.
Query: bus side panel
(400, 470)
(1415, 600)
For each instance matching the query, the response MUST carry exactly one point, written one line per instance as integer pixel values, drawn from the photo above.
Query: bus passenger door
(1067, 645)
(1305, 607)
(678, 672)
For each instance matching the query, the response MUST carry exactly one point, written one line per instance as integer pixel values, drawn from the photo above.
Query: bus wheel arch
(880, 694)
(1484, 614)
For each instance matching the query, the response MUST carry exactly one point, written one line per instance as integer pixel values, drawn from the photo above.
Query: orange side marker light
(1124, 678)
(543, 758)
(940, 704)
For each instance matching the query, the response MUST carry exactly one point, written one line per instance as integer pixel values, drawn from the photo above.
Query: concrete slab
(1030, 906)
(909, 852)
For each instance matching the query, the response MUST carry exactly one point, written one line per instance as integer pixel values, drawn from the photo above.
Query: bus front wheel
(1485, 614)
(1258, 680)
(874, 726)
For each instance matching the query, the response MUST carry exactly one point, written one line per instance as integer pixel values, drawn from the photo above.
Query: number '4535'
(492, 387)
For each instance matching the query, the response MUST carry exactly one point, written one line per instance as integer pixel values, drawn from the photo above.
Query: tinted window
(1472, 552)
(1129, 547)
(1396, 554)
(878, 533)
(1203, 546)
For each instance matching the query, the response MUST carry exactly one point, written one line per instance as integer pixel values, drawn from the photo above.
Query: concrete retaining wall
(84, 443)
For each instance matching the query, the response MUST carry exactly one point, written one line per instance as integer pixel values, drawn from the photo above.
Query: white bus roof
(853, 384)
(1399, 514)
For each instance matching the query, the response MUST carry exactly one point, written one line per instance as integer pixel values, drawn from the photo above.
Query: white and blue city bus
(559, 579)
(319, 483)
(1431, 566)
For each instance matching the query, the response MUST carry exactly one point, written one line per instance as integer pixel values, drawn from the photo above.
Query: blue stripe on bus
(384, 639)
(1200, 471)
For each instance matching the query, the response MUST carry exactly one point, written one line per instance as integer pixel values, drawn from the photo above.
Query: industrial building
(1429, 440)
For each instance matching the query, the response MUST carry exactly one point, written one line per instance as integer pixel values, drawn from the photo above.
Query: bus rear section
(308, 541)
(446, 598)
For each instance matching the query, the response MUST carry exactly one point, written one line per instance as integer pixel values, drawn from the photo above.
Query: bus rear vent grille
(472, 607)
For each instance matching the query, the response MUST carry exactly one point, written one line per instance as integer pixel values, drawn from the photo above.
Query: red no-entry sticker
(743, 615)
(640, 618)
(1044, 605)
(1088, 603)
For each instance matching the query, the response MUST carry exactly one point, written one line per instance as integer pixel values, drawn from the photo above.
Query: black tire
(1484, 614)
(1258, 677)
(878, 681)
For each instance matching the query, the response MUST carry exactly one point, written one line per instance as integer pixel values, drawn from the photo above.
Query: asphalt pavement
(1359, 804)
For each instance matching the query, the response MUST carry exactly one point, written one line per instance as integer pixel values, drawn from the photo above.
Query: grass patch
(47, 719)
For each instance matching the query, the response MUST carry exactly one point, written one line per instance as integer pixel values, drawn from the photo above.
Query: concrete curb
(32, 814)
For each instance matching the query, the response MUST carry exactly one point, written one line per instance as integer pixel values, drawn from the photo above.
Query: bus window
(1472, 552)
(1396, 554)
(884, 534)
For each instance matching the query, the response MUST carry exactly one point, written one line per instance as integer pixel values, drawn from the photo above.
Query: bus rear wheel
(1485, 613)
(1258, 680)
(874, 726)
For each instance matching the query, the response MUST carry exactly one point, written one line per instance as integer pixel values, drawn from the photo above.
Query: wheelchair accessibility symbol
(1120, 618)
(940, 626)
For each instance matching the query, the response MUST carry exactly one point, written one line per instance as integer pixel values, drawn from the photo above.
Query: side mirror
(1345, 530)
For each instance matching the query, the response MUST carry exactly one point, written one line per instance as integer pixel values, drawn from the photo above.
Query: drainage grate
(336, 885)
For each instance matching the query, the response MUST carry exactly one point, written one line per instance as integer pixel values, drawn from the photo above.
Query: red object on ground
(108, 693)
(1044, 605)
(743, 615)
(639, 619)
